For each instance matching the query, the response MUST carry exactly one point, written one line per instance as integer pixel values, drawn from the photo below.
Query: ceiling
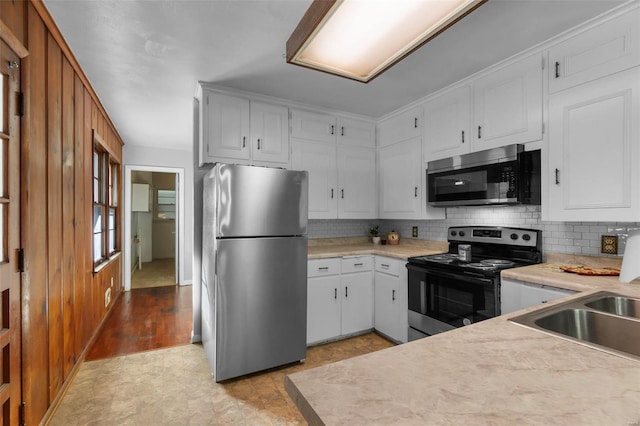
(144, 58)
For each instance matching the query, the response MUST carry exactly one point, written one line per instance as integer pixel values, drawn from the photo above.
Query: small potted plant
(374, 231)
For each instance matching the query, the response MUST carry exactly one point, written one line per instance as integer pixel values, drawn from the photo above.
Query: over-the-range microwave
(506, 175)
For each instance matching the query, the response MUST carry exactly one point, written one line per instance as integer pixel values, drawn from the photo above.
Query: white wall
(159, 157)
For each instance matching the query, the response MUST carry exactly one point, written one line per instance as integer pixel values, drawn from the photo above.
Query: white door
(401, 127)
(226, 126)
(356, 132)
(313, 126)
(357, 302)
(323, 308)
(269, 132)
(357, 183)
(508, 105)
(320, 161)
(594, 151)
(399, 176)
(446, 125)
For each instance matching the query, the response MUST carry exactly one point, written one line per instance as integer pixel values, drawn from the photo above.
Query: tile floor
(174, 386)
(157, 273)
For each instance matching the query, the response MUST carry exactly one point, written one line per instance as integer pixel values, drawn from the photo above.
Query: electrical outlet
(107, 297)
(414, 232)
(609, 244)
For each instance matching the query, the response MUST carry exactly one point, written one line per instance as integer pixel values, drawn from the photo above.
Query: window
(166, 204)
(105, 205)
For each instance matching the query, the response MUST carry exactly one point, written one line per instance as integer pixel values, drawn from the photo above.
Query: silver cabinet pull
(557, 177)
(393, 295)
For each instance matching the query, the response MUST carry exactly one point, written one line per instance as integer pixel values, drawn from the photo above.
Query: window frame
(107, 199)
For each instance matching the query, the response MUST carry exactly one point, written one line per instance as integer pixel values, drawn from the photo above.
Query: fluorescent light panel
(359, 39)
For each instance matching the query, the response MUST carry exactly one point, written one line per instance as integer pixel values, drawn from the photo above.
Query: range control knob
(526, 237)
(454, 233)
(462, 233)
(514, 236)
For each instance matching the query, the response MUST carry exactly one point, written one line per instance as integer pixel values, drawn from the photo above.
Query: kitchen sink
(604, 320)
(617, 305)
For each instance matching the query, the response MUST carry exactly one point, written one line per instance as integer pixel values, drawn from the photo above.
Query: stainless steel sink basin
(617, 305)
(604, 320)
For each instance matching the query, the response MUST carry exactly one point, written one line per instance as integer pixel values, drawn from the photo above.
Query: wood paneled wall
(63, 299)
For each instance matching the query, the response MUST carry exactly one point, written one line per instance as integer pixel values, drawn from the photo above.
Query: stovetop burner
(497, 262)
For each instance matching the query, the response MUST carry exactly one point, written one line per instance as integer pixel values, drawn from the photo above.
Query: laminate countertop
(337, 247)
(493, 372)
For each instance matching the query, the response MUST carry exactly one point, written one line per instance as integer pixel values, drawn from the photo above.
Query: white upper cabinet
(269, 132)
(599, 51)
(237, 130)
(399, 176)
(225, 127)
(357, 183)
(342, 180)
(446, 125)
(320, 161)
(594, 151)
(356, 132)
(401, 127)
(507, 105)
(313, 126)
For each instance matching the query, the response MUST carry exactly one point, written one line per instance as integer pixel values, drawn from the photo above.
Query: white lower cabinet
(516, 295)
(339, 297)
(390, 295)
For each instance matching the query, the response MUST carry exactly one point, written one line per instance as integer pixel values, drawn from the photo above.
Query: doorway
(154, 240)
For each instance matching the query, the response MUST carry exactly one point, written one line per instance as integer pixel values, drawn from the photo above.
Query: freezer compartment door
(260, 201)
(261, 304)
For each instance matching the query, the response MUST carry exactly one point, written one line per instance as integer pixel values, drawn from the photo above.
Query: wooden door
(10, 393)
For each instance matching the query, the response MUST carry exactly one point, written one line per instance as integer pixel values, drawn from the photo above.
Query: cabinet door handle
(323, 268)
(358, 264)
(393, 295)
(335, 293)
(463, 136)
(342, 193)
(557, 69)
(557, 177)
(479, 132)
(384, 266)
(342, 131)
(258, 143)
(415, 191)
(346, 291)
(415, 123)
(332, 193)
(244, 141)
(332, 129)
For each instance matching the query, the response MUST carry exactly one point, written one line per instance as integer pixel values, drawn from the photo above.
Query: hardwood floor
(144, 319)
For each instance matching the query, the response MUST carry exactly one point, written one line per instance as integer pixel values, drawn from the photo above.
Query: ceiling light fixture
(359, 39)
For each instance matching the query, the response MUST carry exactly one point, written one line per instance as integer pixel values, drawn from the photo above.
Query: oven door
(443, 300)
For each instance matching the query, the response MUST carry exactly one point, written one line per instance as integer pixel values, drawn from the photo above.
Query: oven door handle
(423, 297)
(463, 274)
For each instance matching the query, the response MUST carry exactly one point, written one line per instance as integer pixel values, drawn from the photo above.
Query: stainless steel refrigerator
(254, 268)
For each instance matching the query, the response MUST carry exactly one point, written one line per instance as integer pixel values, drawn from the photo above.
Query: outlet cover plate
(609, 244)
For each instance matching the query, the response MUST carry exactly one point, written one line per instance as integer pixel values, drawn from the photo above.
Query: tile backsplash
(558, 237)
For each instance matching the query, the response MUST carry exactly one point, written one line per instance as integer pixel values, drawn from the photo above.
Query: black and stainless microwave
(506, 175)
